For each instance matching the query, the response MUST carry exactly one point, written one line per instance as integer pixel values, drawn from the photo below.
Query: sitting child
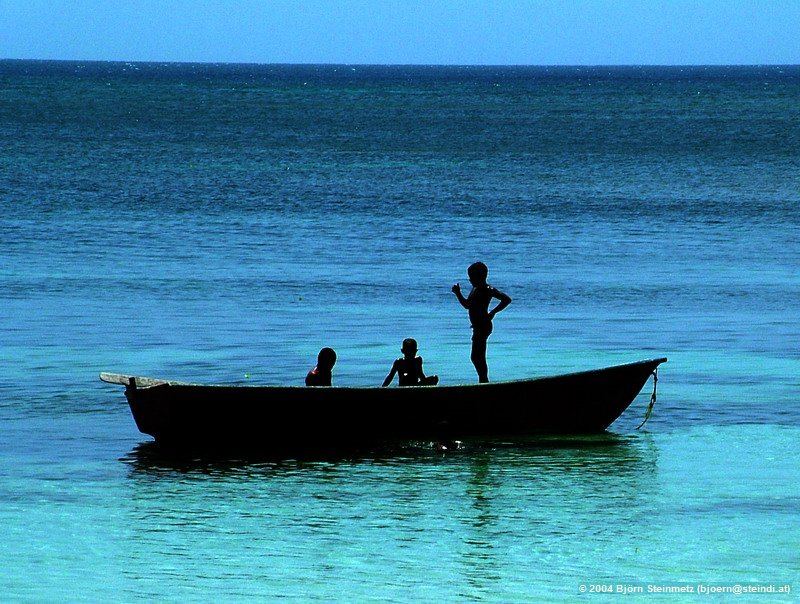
(409, 368)
(321, 374)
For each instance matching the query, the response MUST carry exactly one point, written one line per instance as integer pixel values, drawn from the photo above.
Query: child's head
(326, 359)
(409, 347)
(477, 272)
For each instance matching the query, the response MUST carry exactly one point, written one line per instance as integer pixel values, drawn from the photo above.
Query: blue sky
(586, 32)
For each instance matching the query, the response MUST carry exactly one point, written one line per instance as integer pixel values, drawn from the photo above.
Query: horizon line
(338, 64)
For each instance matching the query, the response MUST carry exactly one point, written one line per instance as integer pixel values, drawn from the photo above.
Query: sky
(466, 32)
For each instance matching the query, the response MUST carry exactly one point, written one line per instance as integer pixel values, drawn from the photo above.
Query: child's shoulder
(402, 360)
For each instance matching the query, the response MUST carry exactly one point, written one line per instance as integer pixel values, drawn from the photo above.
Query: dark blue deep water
(221, 223)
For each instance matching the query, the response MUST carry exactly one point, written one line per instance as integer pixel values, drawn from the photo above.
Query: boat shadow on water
(599, 454)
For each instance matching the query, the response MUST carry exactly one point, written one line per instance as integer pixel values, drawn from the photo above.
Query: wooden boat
(274, 417)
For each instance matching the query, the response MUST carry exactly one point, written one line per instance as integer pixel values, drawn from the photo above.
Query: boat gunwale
(162, 383)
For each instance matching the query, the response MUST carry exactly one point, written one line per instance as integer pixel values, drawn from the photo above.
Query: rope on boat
(649, 411)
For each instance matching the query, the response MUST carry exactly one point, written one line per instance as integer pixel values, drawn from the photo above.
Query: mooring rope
(649, 411)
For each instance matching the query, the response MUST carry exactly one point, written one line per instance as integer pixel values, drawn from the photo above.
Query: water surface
(221, 223)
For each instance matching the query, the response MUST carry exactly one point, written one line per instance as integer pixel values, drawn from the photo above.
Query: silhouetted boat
(271, 417)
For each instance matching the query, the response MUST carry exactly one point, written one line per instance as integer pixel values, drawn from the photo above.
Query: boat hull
(271, 417)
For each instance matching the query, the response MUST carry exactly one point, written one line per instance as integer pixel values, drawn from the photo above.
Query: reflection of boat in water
(597, 455)
(277, 417)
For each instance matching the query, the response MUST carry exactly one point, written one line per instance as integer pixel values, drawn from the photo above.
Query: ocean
(222, 223)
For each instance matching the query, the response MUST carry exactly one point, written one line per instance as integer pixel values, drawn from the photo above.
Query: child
(409, 368)
(321, 374)
(477, 304)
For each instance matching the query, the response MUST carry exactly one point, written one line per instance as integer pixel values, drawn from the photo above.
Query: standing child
(477, 304)
(409, 368)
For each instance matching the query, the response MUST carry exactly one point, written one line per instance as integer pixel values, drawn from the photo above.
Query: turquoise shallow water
(706, 505)
(209, 223)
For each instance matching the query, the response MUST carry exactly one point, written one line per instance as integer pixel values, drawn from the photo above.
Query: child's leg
(478, 356)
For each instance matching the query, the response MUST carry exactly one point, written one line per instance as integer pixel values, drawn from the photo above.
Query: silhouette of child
(321, 374)
(409, 368)
(477, 304)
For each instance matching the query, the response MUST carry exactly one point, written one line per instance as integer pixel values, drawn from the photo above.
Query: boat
(276, 417)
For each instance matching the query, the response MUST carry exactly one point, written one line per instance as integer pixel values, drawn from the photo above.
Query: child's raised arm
(505, 300)
(390, 377)
(456, 289)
